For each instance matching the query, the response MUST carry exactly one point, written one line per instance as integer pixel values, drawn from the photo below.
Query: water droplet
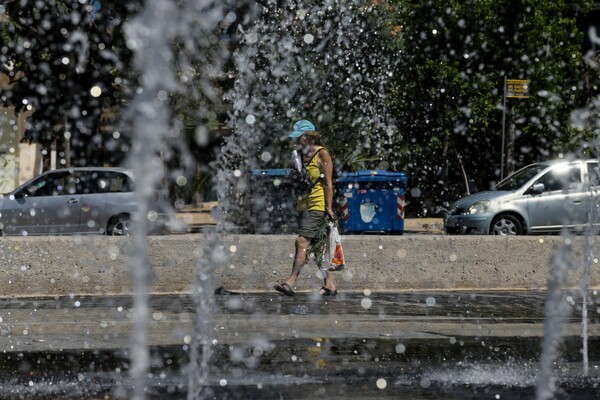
(415, 192)
(266, 156)
(250, 119)
(367, 292)
(430, 301)
(181, 180)
(251, 38)
(233, 249)
(453, 257)
(308, 38)
(95, 91)
(381, 383)
(299, 310)
(400, 348)
(366, 303)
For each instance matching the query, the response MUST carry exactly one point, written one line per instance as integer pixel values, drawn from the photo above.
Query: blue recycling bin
(372, 201)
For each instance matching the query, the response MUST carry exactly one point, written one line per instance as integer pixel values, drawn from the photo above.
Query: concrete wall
(100, 265)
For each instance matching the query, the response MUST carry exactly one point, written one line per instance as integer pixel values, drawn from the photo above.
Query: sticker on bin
(367, 212)
(401, 205)
(344, 208)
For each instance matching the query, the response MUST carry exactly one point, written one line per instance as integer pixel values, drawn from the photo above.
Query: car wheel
(506, 225)
(120, 226)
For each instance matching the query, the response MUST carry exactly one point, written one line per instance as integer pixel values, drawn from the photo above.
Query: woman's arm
(326, 167)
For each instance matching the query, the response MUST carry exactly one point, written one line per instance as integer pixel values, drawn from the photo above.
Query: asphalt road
(413, 345)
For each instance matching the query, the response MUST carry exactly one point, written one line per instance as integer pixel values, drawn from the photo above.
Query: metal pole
(503, 127)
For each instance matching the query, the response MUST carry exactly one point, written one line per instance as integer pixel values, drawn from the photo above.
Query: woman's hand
(330, 214)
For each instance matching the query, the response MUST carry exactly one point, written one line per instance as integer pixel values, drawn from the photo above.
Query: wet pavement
(357, 345)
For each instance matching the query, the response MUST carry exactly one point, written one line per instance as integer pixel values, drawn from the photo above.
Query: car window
(104, 182)
(521, 177)
(119, 182)
(593, 172)
(561, 177)
(56, 184)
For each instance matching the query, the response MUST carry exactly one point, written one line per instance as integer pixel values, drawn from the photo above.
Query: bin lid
(373, 176)
(271, 172)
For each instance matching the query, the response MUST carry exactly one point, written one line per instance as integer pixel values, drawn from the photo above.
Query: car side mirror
(537, 188)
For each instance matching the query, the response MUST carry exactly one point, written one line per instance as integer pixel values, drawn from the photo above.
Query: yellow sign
(517, 89)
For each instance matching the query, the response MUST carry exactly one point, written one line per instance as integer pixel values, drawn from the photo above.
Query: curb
(101, 265)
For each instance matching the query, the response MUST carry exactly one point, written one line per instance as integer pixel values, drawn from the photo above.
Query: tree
(448, 88)
(328, 62)
(67, 61)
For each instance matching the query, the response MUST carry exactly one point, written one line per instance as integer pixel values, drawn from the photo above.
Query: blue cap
(301, 127)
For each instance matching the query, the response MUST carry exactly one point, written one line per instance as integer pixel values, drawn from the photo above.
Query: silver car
(76, 201)
(544, 197)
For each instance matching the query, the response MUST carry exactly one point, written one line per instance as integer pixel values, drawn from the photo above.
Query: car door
(561, 202)
(593, 192)
(106, 194)
(47, 205)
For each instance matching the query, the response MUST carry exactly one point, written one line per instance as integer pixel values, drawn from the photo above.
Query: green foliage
(417, 85)
(58, 53)
(449, 87)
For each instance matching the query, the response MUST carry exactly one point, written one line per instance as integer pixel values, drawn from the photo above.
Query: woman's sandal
(327, 291)
(284, 288)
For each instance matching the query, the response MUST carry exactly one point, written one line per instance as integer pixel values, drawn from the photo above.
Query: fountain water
(151, 36)
(265, 102)
(566, 262)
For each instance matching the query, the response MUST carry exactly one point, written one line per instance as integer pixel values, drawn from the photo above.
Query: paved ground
(413, 345)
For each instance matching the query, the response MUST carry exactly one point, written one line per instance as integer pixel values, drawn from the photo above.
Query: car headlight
(479, 207)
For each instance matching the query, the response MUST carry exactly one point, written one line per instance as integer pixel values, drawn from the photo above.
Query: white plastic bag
(334, 252)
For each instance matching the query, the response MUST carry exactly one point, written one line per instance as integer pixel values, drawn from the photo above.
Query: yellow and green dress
(315, 200)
